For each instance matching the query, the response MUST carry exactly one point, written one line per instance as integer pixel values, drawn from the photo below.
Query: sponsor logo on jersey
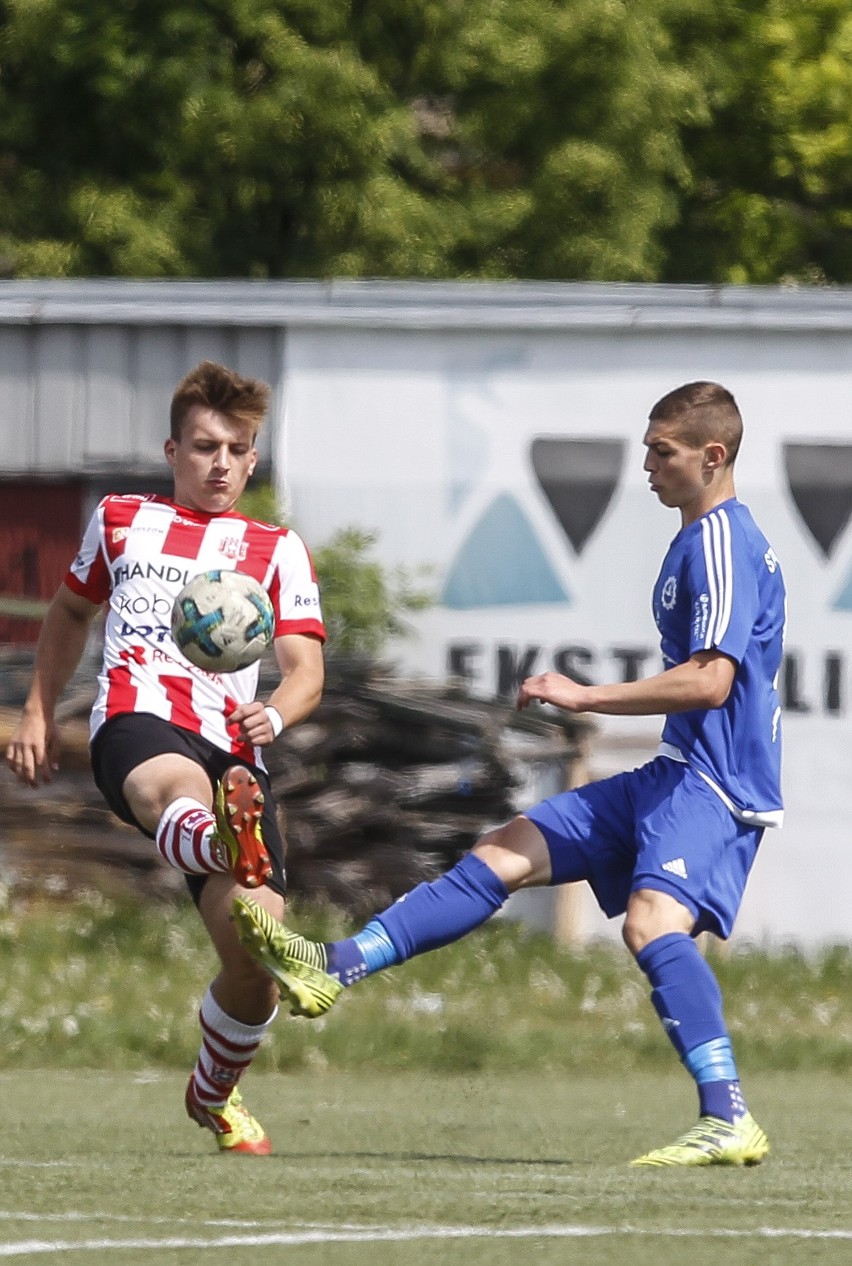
(700, 616)
(153, 632)
(164, 571)
(142, 604)
(119, 534)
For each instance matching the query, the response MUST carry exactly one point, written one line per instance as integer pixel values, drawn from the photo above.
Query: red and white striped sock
(227, 1049)
(186, 837)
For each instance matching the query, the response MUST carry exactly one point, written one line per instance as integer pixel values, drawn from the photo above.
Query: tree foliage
(769, 192)
(583, 139)
(280, 138)
(364, 605)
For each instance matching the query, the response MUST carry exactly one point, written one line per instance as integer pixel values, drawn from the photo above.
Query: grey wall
(90, 398)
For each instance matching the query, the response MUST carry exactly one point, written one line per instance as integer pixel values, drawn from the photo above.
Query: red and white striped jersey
(137, 554)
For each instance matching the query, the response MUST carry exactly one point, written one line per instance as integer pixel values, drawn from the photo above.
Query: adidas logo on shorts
(676, 867)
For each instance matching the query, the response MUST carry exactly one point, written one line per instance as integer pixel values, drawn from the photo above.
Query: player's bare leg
(171, 796)
(235, 1015)
(242, 988)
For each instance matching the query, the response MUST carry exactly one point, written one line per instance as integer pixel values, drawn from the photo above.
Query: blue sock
(429, 916)
(688, 1001)
(359, 956)
(719, 1091)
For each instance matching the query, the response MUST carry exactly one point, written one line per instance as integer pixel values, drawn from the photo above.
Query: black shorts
(126, 741)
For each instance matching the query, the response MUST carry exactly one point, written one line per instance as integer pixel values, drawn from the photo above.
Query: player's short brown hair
(214, 386)
(703, 412)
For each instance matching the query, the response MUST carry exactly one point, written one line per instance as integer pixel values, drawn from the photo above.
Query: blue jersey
(720, 588)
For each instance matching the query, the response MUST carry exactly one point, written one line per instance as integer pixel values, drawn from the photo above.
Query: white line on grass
(30, 1164)
(240, 1224)
(404, 1235)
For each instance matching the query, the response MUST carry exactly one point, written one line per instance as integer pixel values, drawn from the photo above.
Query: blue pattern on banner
(843, 601)
(467, 452)
(501, 564)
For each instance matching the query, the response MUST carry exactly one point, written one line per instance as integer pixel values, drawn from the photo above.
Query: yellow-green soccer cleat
(713, 1142)
(295, 962)
(239, 808)
(235, 1128)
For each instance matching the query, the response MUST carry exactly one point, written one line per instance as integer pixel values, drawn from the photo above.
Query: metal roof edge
(424, 305)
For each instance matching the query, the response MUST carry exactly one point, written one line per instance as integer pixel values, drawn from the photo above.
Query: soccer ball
(222, 621)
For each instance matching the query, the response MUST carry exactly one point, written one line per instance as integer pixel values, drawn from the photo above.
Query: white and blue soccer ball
(222, 621)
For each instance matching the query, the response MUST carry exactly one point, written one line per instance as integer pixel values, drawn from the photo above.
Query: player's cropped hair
(703, 412)
(215, 387)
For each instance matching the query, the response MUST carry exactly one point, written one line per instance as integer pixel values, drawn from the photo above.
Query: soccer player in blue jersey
(670, 844)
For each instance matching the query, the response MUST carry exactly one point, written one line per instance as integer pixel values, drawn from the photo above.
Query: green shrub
(93, 983)
(364, 604)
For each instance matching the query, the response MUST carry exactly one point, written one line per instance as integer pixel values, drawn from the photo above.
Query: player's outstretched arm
(32, 750)
(300, 660)
(703, 682)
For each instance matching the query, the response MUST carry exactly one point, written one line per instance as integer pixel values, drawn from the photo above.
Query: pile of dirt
(389, 782)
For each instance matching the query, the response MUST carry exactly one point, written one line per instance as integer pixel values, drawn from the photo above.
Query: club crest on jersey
(234, 548)
(119, 534)
(669, 593)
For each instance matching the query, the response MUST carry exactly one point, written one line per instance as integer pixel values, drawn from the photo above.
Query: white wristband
(275, 720)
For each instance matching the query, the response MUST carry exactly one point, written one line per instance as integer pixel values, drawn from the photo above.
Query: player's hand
(32, 751)
(553, 688)
(253, 724)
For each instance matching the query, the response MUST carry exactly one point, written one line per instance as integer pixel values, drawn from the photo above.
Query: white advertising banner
(505, 466)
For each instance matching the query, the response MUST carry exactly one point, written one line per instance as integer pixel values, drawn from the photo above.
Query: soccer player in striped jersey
(177, 751)
(670, 844)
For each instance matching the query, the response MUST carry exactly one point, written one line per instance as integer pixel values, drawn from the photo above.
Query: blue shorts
(659, 826)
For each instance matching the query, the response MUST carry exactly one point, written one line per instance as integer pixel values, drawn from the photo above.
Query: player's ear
(715, 456)
(169, 450)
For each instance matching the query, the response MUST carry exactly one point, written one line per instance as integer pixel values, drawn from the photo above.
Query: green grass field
(416, 1168)
(478, 1105)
